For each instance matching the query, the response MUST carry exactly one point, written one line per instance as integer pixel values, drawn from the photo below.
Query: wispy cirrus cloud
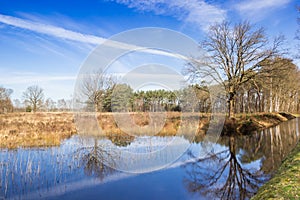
(50, 30)
(56, 86)
(74, 36)
(196, 12)
(258, 8)
(32, 78)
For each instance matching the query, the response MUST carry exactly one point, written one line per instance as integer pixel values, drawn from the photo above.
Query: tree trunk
(248, 102)
(96, 107)
(276, 103)
(257, 104)
(242, 109)
(231, 105)
(271, 98)
(271, 102)
(34, 107)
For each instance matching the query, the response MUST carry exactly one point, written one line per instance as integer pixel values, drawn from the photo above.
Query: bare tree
(235, 55)
(34, 95)
(62, 104)
(5, 101)
(50, 105)
(17, 104)
(93, 88)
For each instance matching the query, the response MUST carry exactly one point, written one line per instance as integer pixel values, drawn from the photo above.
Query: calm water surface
(83, 167)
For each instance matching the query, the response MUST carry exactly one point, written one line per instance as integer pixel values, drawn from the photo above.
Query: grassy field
(35, 129)
(49, 129)
(286, 183)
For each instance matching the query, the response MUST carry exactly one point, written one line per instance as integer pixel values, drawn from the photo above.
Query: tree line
(120, 97)
(33, 100)
(272, 88)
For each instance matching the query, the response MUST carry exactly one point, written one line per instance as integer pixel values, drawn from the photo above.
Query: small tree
(5, 101)
(50, 104)
(62, 104)
(34, 96)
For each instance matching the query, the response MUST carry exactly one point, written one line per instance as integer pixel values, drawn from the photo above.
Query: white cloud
(50, 30)
(55, 86)
(190, 11)
(32, 79)
(259, 7)
(74, 36)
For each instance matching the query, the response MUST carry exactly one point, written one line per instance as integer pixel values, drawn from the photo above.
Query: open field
(49, 129)
(35, 129)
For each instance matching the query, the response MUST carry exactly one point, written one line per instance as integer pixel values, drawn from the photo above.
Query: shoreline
(285, 184)
(46, 129)
(244, 124)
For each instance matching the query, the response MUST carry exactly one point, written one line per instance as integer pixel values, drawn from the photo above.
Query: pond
(106, 168)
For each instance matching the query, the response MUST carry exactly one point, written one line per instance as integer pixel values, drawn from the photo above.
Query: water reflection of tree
(97, 161)
(272, 145)
(222, 174)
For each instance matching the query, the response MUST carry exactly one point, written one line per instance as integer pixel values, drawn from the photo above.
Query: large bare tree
(34, 95)
(235, 54)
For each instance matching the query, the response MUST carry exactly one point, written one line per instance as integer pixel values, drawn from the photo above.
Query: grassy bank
(286, 183)
(247, 123)
(49, 129)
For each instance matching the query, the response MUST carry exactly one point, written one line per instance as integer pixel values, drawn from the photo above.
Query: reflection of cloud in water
(80, 183)
(62, 170)
(74, 186)
(148, 144)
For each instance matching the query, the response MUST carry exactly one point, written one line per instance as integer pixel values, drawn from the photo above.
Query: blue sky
(46, 42)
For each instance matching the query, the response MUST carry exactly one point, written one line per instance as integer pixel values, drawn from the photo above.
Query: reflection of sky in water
(56, 171)
(147, 144)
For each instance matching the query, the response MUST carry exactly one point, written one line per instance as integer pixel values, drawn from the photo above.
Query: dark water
(84, 168)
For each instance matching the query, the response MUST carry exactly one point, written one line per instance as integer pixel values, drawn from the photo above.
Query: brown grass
(247, 123)
(49, 129)
(35, 129)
